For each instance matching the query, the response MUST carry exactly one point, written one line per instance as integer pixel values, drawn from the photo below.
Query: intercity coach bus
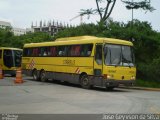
(85, 60)
(10, 59)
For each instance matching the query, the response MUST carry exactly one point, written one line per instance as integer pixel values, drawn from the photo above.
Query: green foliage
(150, 71)
(7, 39)
(147, 83)
(84, 29)
(31, 38)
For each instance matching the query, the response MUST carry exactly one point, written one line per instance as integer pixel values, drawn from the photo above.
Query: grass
(147, 83)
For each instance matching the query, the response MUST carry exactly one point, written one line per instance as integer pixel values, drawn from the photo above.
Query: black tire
(43, 76)
(109, 88)
(85, 82)
(35, 75)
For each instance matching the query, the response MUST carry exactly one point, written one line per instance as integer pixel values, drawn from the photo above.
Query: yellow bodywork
(1, 58)
(81, 64)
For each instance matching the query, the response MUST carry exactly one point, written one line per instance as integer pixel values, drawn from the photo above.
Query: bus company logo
(77, 70)
(31, 65)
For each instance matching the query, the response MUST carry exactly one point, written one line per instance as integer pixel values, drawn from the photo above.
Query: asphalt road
(34, 97)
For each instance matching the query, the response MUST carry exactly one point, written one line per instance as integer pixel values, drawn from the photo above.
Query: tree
(104, 8)
(103, 12)
(144, 5)
(7, 38)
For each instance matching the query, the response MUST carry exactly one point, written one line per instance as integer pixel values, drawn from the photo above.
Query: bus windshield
(12, 58)
(118, 55)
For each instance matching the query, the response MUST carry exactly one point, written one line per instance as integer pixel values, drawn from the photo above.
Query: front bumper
(11, 72)
(116, 83)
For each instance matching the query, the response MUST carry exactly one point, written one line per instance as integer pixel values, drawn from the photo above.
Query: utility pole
(132, 13)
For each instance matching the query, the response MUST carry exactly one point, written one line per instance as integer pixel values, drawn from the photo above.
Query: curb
(140, 88)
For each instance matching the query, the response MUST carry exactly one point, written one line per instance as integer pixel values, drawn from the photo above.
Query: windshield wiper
(126, 61)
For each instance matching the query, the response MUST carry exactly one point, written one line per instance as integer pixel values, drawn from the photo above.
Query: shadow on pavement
(78, 86)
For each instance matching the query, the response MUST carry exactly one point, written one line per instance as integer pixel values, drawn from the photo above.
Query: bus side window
(98, 55)
(53, 51)
(75, 50)
(0, 54)
(66, 50)
(30, 52)
(26, 52)
(35, 52)
(86, 50)
(43, 51)
(62, 50)
(48, 51)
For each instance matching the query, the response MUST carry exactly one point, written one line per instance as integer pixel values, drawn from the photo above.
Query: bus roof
(80, 40)
(9, 48)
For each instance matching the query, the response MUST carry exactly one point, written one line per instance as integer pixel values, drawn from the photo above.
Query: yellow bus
(85, 60)
(10, 59)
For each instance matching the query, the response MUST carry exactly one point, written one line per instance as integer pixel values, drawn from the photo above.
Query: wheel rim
(35, 75)
(43, 76)
(85, 81)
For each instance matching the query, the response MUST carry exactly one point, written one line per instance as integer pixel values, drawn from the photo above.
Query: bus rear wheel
(43, 76)
(109, 88)
(85, 82)
(35, 75)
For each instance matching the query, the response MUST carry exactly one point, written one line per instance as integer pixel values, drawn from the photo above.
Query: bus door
(98, 65)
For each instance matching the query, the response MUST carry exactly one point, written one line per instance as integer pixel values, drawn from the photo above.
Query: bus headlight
(108, 76)
(133, 78)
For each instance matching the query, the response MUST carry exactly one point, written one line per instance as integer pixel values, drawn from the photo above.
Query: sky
(21, 13)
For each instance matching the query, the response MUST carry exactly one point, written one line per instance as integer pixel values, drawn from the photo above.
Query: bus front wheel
(43, 76)
(85, 82)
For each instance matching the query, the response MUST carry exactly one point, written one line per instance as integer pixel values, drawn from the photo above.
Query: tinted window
(17, 57)
(62, 50)
(8, 58)
(118, 55)
(86, 50)
(75, 50)
(53, 51)
(27, 52)
(67, 50)
(127, 56)
(112, 54)
(35, 52)
(98, 55)
(42, 51)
